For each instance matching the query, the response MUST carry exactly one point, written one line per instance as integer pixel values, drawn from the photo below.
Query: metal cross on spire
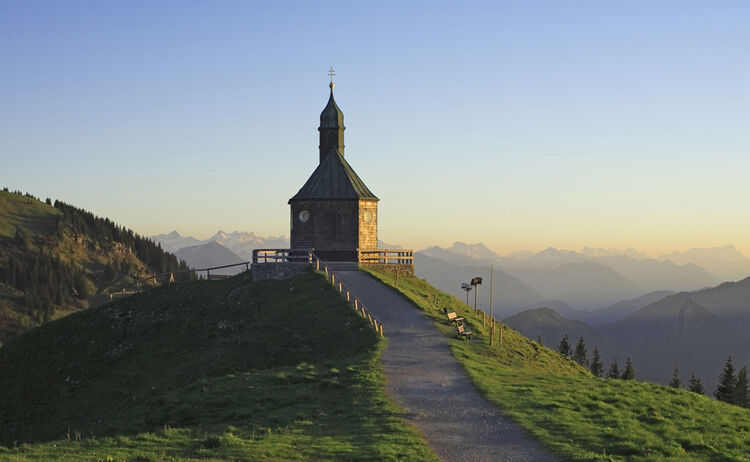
(331, 74)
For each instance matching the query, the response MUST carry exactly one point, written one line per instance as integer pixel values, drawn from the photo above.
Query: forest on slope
(56, 258)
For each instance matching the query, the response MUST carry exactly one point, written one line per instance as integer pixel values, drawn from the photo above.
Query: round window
(304, 216)
(367, 217)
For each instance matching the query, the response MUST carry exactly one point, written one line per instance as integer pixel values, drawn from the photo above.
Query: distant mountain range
(583, 285)
(695, 330)
(726, 263)
(240, 243)
(588, 280)
(661, 312)
(549, 326)
(209, 255)
(173, 242)
(511, 294)
(225, 248)
(618, 310)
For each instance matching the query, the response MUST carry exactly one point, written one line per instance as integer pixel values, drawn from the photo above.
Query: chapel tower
(334, 212)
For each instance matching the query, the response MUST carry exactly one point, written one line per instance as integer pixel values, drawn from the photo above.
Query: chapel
(334, 212)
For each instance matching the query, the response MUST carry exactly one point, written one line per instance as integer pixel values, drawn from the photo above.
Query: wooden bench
(462, 332)
(453, 317)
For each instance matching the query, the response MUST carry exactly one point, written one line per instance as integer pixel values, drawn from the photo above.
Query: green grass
(38, 221)
(32, 216)
(576, 415)
(210, 370)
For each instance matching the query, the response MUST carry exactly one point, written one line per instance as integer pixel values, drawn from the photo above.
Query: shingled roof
(334, 179)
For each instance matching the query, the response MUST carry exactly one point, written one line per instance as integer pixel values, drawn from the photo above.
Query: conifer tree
(564, 347)
(727, 383)
(741, 391)
(597, 366)
(581, 355)
(614, 370)
(675, 382)
(696, 385)
(629, 372)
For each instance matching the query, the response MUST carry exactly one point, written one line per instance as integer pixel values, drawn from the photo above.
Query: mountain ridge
(241, 243)
(57, 259)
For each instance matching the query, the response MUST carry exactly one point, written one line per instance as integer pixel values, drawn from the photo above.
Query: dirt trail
(432, 387)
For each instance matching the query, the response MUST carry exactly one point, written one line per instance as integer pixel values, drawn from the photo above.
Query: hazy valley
(658, 312)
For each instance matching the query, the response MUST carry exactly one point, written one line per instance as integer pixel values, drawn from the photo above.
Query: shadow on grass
(267, 358)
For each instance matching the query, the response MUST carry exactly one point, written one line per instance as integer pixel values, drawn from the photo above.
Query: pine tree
(629, 372)
(741, 392)
(597, 366)
(727, 383)
(564, 347)
(696, 385)
(614, 370)
(581, 355)
(675, 382)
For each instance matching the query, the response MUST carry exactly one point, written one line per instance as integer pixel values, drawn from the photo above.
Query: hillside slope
(220, 370)
(682, 330)
(579, 416)
(58, 259)
(550, 326)
(621, 309)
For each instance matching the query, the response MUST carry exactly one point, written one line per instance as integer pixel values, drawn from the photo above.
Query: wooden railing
(265, 256)
(346, 293)
(169, 278)
(386, 256)
(282, 256)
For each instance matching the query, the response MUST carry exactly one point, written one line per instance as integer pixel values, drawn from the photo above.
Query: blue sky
(519, 124)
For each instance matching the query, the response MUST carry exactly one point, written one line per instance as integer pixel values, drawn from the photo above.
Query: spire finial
(331, 74)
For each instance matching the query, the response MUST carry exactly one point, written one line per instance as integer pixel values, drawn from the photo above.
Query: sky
(523, 125)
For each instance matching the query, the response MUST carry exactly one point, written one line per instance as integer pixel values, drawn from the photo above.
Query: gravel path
(432, 387)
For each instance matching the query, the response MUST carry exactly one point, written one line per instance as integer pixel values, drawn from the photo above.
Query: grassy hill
(57, 259)
(577, 415)
(206, 370)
